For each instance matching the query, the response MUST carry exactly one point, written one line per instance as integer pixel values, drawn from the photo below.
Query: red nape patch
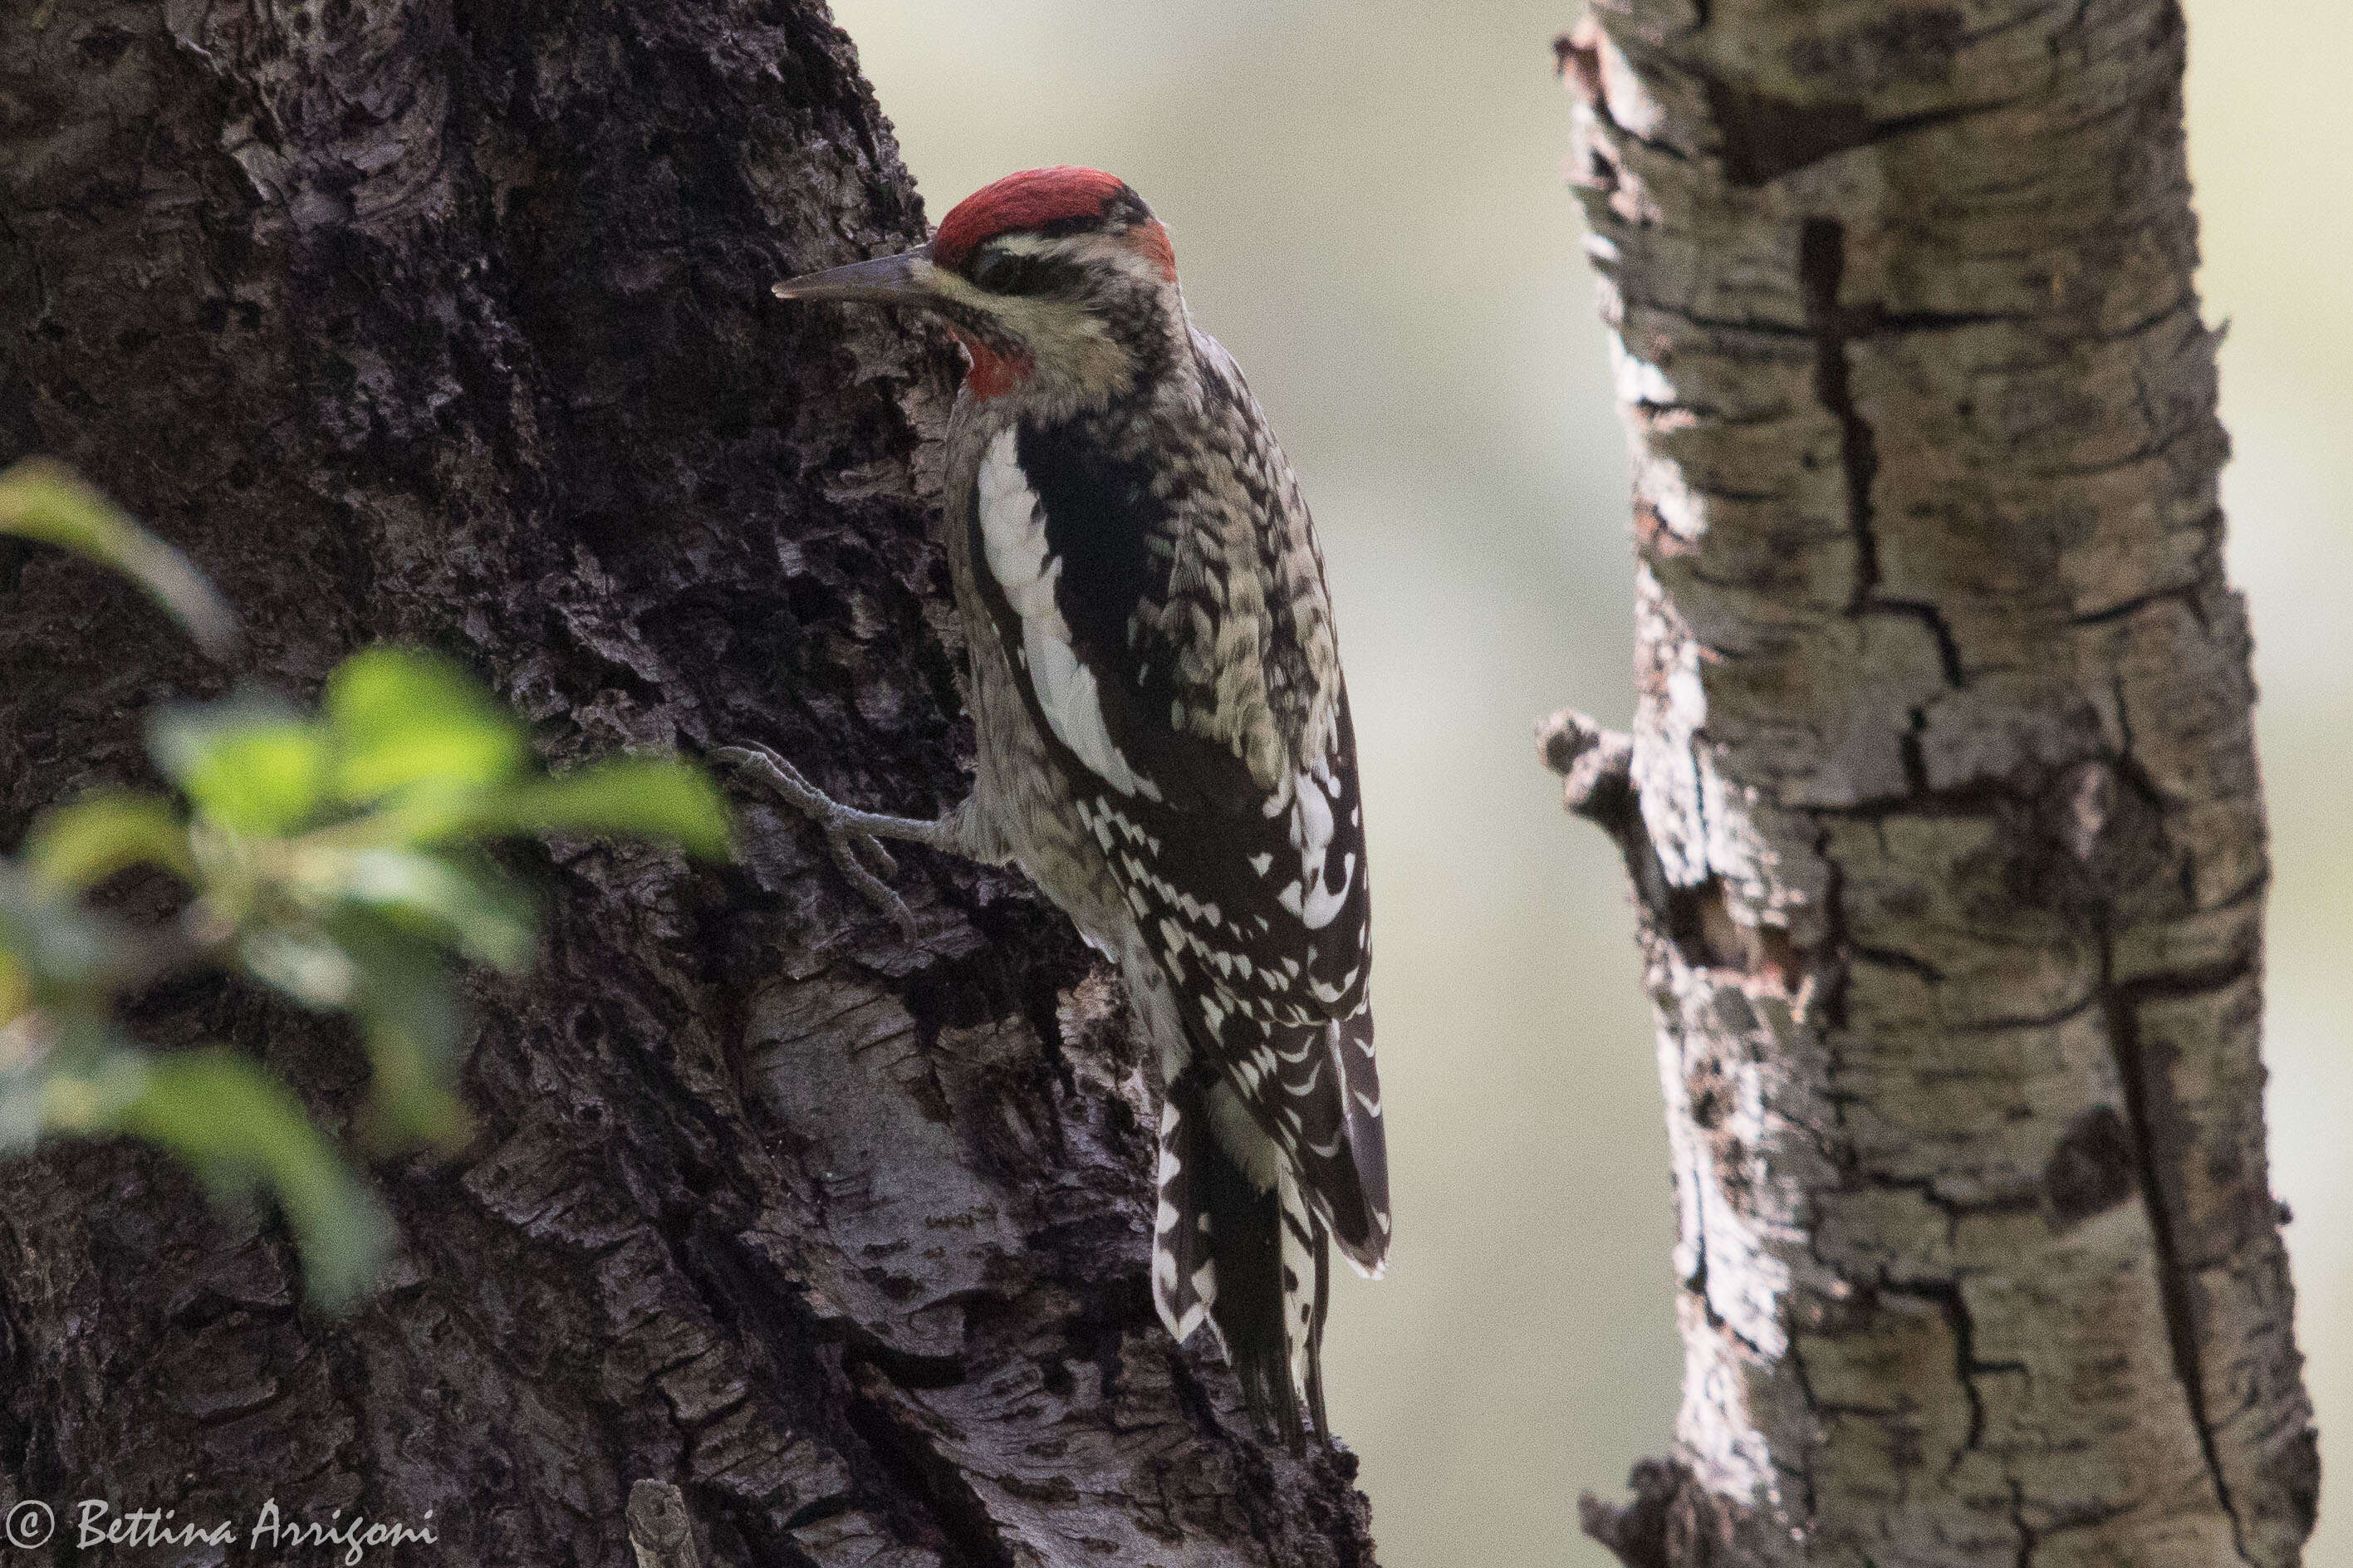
(1027, 200)
(1150, 240)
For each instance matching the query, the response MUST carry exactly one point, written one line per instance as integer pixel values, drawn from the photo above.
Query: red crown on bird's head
(1064, 197)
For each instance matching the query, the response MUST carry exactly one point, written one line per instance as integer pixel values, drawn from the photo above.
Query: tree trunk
(448, 320)
(1942, 803)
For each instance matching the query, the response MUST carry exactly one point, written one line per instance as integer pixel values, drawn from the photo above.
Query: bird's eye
(1003, 271)
(997, 270)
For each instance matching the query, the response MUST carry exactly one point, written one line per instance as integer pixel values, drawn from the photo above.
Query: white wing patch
(1013, 538)
(1309, 793)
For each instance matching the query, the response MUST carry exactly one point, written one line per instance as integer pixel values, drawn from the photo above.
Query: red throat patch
(992, 374)
(1029, 199)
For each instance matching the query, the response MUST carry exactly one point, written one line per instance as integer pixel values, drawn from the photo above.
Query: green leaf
(411, 1099)
(237, 1125)
(644, 797)
(311, 968)
(23, 1044)
(481, 913)
(81, 844)
(401, 719)
(395, 981)
(43, 500)
(58, 1067)
(408, 1009)
(16, 993)
(20, 1105)
(56, 945)
(248, 762)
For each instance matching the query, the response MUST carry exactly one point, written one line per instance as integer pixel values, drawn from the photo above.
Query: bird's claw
(860, 855)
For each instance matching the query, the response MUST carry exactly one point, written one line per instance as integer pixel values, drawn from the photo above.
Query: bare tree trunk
(448, 320)
(1942, 802)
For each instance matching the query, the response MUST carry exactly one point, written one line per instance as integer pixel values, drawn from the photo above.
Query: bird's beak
(903, 279)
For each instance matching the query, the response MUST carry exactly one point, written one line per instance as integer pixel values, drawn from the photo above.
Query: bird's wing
(1165, 613)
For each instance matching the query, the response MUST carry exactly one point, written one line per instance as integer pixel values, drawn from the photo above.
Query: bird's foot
(849, 833)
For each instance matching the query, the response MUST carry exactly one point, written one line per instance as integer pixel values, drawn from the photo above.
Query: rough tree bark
(448, 320)
(1942, 802)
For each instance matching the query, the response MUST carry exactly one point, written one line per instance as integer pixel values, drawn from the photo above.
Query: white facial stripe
(1013, 537)
(1053, 248)
(1092, 251)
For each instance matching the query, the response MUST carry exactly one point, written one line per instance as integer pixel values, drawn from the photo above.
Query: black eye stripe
(1004, 272)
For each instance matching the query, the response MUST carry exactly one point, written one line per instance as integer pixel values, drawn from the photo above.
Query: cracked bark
(1941, 806)
(448, 321)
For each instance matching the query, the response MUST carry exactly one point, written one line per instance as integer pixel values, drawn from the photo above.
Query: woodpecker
(1164, 740)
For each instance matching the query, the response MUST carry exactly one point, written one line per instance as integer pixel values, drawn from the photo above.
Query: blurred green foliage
(336, 856)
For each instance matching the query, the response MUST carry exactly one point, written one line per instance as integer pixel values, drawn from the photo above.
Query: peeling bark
(1941, 806)
(448, 320)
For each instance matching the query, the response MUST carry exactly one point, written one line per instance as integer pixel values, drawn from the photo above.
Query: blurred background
(1366, 203)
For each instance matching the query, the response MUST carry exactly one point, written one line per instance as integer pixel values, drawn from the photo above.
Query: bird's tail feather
(1253, 1262)
(1361, 1222)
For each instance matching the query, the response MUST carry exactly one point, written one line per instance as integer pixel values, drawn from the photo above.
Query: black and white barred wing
(1215, 765)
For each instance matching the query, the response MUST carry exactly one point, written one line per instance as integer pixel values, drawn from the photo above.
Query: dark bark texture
(1942, 804)
(448, 320)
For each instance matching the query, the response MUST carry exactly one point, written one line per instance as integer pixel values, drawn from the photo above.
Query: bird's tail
(1357, 1191)
(1237, 1246)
